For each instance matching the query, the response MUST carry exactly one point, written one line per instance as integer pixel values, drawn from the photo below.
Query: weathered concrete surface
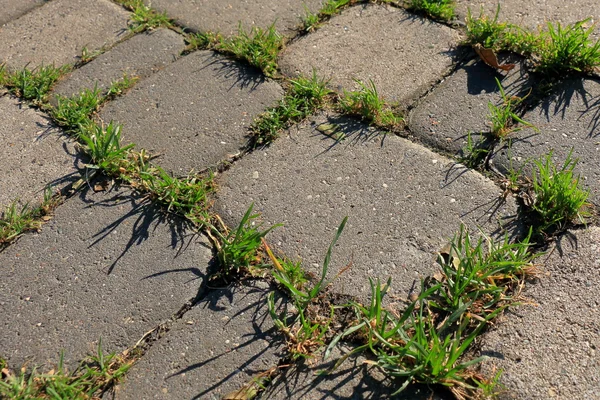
(106, 267)
(567, 120)
(139, 57)
(218, 347)
(404, 202)
(459, 105)
(33, 154)
(402, 53)
(203, 102)
(12, 9)
(534, 14)
(351, 380)
(226, 16)
(551, 350)
(57, 32)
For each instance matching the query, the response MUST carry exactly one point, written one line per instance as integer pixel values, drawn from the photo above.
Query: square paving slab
(216, 348)
(33, 155)
(196, 112)
(226, 16)
(56, 32)
(403, 54)
(404, 202)
(550, 351)
(459, 105)
(567, 120)
(139, 57)
(107, 266)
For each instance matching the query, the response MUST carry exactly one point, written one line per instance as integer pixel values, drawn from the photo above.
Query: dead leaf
(489, 57)
(46, 218)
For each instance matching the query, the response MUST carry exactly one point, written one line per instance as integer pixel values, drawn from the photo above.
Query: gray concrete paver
(14, 9)
(56, 32)
(567, 120)
(33, 154)
(550, 351)
(195, 112)
(226, 16)
(402, 53)
(139, 56)
(106, 267)
(459, 105)
(404, 202)
(218, 347)
(534, 14)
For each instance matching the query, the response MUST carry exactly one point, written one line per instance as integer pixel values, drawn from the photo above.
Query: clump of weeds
(119, 87)
(367, 104)
(304, 97)
(75, 112)
(557, 196)
(34, 84)
(311, 21)
(438, 9)
(144, 17)
(94, 376)
(258, 48)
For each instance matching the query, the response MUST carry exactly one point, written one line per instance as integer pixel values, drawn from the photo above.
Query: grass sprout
(75, 112)
(438, 9)
(143, 17)
(558, 198)
(367, 104)
(118, 87)
(503, 117)
(34, 84)
(312, 21)
(258, 48)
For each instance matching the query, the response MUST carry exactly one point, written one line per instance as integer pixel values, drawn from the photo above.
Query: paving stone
(34, 154)
(551, 350)
(215, 349)
(14, 9)
(194, 112)
(107, 266)
(567, 120)
(404, 202)
(226, 16)
(459, 105)
(403, 54)
(139, 56)
(57, 32)
(353, 379)
(534, 14)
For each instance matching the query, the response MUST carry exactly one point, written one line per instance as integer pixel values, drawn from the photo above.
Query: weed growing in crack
(16, 219)
(202, 40)
(504, 116)
(311, 21)
(303, 98)
(558, 199)
(485, 31)
(93, 376)
(144, 17)
(238, 250)
(438, 9)
(74, 113)
(34, 84)
(474, 153)
(103, 146)
(118, 87)
(367, 104)
(258, 48)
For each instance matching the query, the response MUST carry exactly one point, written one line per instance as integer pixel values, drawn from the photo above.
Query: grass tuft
(74, 113)
(312, 21)
(143, 17)
(304, 97)
(437, 9)
(558, 198)
(34, 84)
(258, 48)
(367, 104)
(504, 117)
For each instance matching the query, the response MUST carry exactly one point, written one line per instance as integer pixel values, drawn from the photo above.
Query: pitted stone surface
(226, 16)
(139, 57)
(12, 9)
(550, 351)
(56, 32)
(195, 112)
(106, 267)
(534, 14)
(402, 53)
(568, 120)
(33, 155)
(459, 105)
(404, 202)
(215, 349)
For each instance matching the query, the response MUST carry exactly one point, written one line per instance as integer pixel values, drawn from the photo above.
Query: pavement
(111, 265)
